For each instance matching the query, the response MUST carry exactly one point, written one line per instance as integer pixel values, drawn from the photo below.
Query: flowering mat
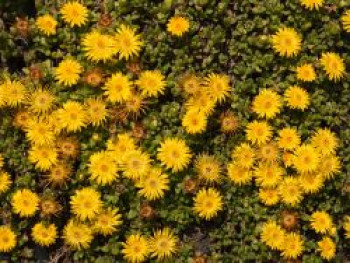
(175, 131)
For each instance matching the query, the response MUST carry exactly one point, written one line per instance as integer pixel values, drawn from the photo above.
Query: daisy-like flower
(163, 244)
(324, 141)
(122, 146)
(268, 175)
(327, 248)
(293, 246)
(272, 235)
(268, 153)
(312, 4)
(321, 222)
(306, 159)
(153, 184)
(290, 191)
(107, 221)
(269, 196)
(194, 121)
(41, 101)
(5, 181)
(12, 93)
(44, 234)
(297, 98)
(258, 132)
(74, 14)
(151, 83)
(44, 156)
(127, 42)
(333, 65)
(25, 203)
(72, 116)
(103, 168)
(46, 24)
(178, 25)
(329, 166)
(86, 203)
(207, 203)
(68, 71)
(288, 139)
(135, 248)
(267, 104)
(218, 86)
(40, 132)
(311, 182)
(136, 164)
(8, 239)
(286, 42)
(345, 19)
(118, 88)
(244, 155)
(98, 47)
(208, 168)
(238, 174)
(96, 110)
(77, 235)
(174, 154)
(306, 72)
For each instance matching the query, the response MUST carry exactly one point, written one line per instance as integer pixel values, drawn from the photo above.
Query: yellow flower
(306, 159)
(72, 116)
(267, 104)
(98, 47)
(334, 65)
(306, 72)
(286, 42)
(44, 156)
(96, 111)
(258, 132)
(127, 42)
(41, 101)
(290, 191)
(153, 184)
(288, 139)
(74, 14)
(201, 102)
(118, 88)
(208, 168)
(136, 164)
(86, 203)
(269, 196)
(268, 152)
(25, 203)
(321, 222)
(329, 166)
(14, 93)
(296, 98)
(312, 4)
(238, 174)
(43, 234)
(120, 147)
(293, 246)
(40, 133)
(151, 83)
(347, 227)
(103, 168)
(135, 249)
(178, 25)
(207, 203)
(163, 244)
(345, 19)
(77, 235)
(244, 155)
(5, 181)
(311, 182)
(272, 235)
(174, 154)
(218, 86)
(107, 221)
(327, 248)
(268, 175)
(324, 141)
(194, 121)
(8, 239)
(67, 72)
(46, 24)
(191, 84)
